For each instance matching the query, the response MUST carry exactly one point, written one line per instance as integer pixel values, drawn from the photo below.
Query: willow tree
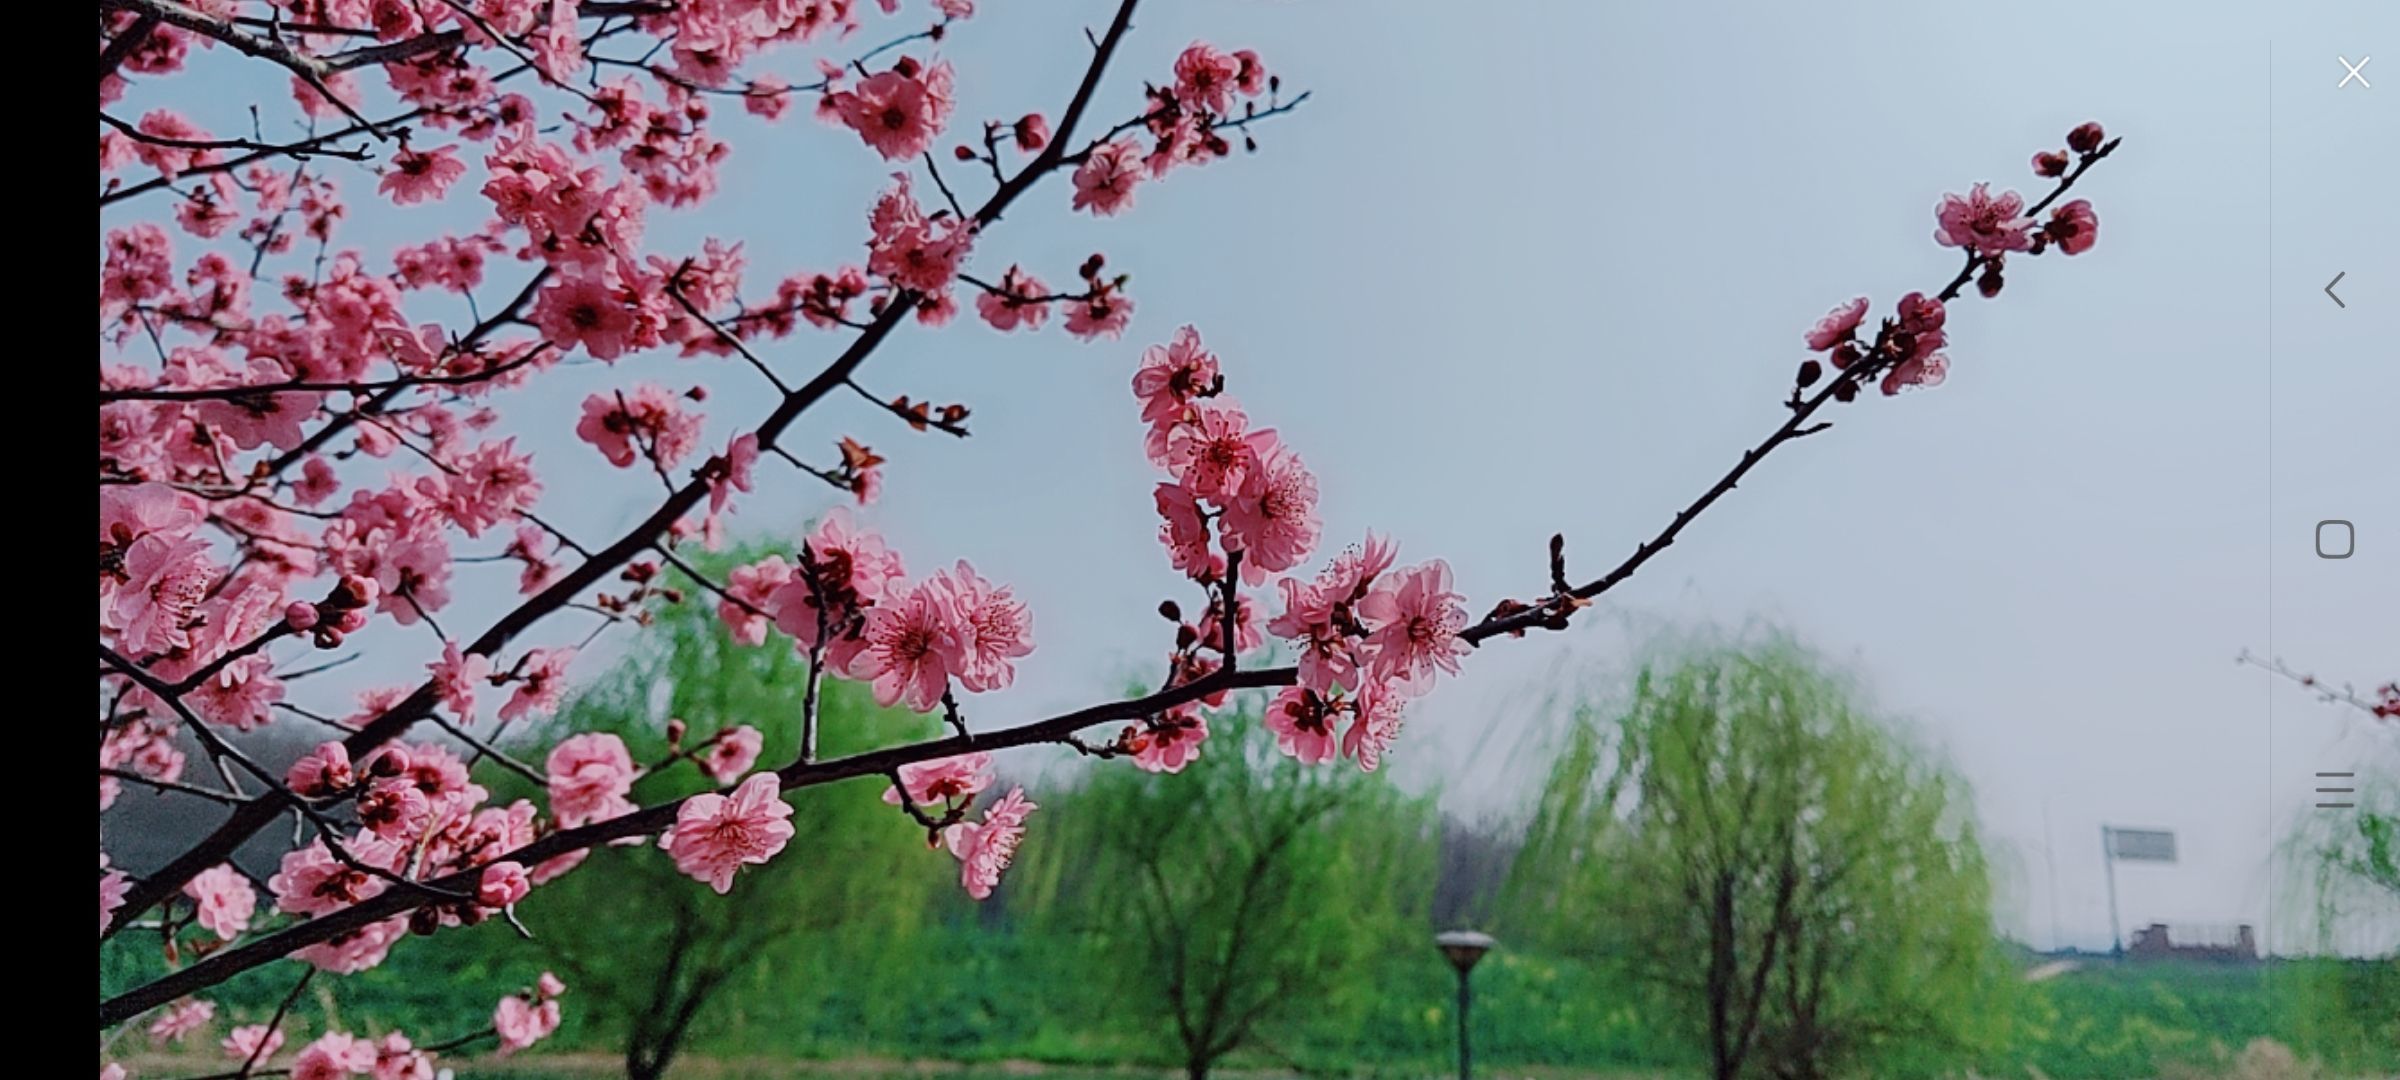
(1251, 895)
(1802, 890)
(662, 957)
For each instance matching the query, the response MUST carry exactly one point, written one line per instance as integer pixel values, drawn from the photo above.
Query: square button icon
(2336, 539)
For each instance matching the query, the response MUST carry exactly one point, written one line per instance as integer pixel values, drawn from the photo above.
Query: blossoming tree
(301, 439)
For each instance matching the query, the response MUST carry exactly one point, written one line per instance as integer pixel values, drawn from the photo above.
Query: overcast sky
(1545, 268)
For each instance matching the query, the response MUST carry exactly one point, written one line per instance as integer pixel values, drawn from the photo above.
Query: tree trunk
(1196, 1069)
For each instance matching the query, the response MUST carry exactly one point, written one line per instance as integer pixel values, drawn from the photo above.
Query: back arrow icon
(2337, 279)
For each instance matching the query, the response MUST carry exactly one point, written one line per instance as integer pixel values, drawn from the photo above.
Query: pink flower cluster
(848, 597)
(293, 449)
(715, 835)
(523, 1019)
(419, 818)
(1182, 121)
(947, 786)
(914, 250)
(1254, 489)
(899, 111)
(1907, 350)
(1369, 637)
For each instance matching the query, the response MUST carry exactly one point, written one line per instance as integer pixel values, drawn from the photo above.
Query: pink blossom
(1031, 133)
(181, 1019)
(1317, 616)
(988, 629)
(113, 887)
(321, 773)
(1837, 326)
(1185, 533)
(456, 676)
(716, 835)
(1303, 723)
(1252, 78)
(585, 311)
(417, 176)
(908, 646)
(223, 899)
(129, 512)
(1983, 223)
(1104, 311)
(1015, 302)
(166, 126)
(1918, 336)
(358, 950)
(521, 1022)
(591, 776)
(1416, 618)
(731, 753)
(1171, 378)
(334, 1056)
(137, 267)
(1204, 78)
(898, 112)
(1214, 452)
(555, 867)
(312, 881)
(750, 591)
(984, 849)
(647, 422)
(2086, 137)
(502, 884)
(911, 249)
(163, 582)
(1172, 741)
(252, 1042)
(943, 780)
(1104, 182)
(854, 568)
(2073, 227)
(488, 485)
(1927, 371)
(740, 458)
(398, 1059)
(1272, 520)
(1377, 725)
(541, 681)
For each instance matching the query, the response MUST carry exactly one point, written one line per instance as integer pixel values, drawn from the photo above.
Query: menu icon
(2335, 786)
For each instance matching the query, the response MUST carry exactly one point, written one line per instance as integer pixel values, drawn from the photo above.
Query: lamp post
(1463, 948)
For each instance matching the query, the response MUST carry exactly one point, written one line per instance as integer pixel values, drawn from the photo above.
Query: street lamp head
(1463, 947)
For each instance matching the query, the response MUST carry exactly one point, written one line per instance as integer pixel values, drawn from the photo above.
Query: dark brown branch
(214, 393)
(122, 45)
(304, 148)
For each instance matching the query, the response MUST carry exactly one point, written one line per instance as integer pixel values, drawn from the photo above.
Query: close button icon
(2336, 539)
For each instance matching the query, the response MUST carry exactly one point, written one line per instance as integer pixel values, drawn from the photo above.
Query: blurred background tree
(656, 955)
(1248, 897)
(1791, 879)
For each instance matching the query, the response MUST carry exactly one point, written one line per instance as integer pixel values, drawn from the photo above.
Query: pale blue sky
(1529, 268)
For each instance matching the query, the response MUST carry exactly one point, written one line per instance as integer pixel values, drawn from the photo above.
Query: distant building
(2221, 944)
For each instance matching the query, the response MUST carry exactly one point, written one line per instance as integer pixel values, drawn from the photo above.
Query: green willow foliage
(1238, 904)
(1802, 892)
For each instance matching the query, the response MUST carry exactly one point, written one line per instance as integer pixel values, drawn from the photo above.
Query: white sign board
(2141, 845)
